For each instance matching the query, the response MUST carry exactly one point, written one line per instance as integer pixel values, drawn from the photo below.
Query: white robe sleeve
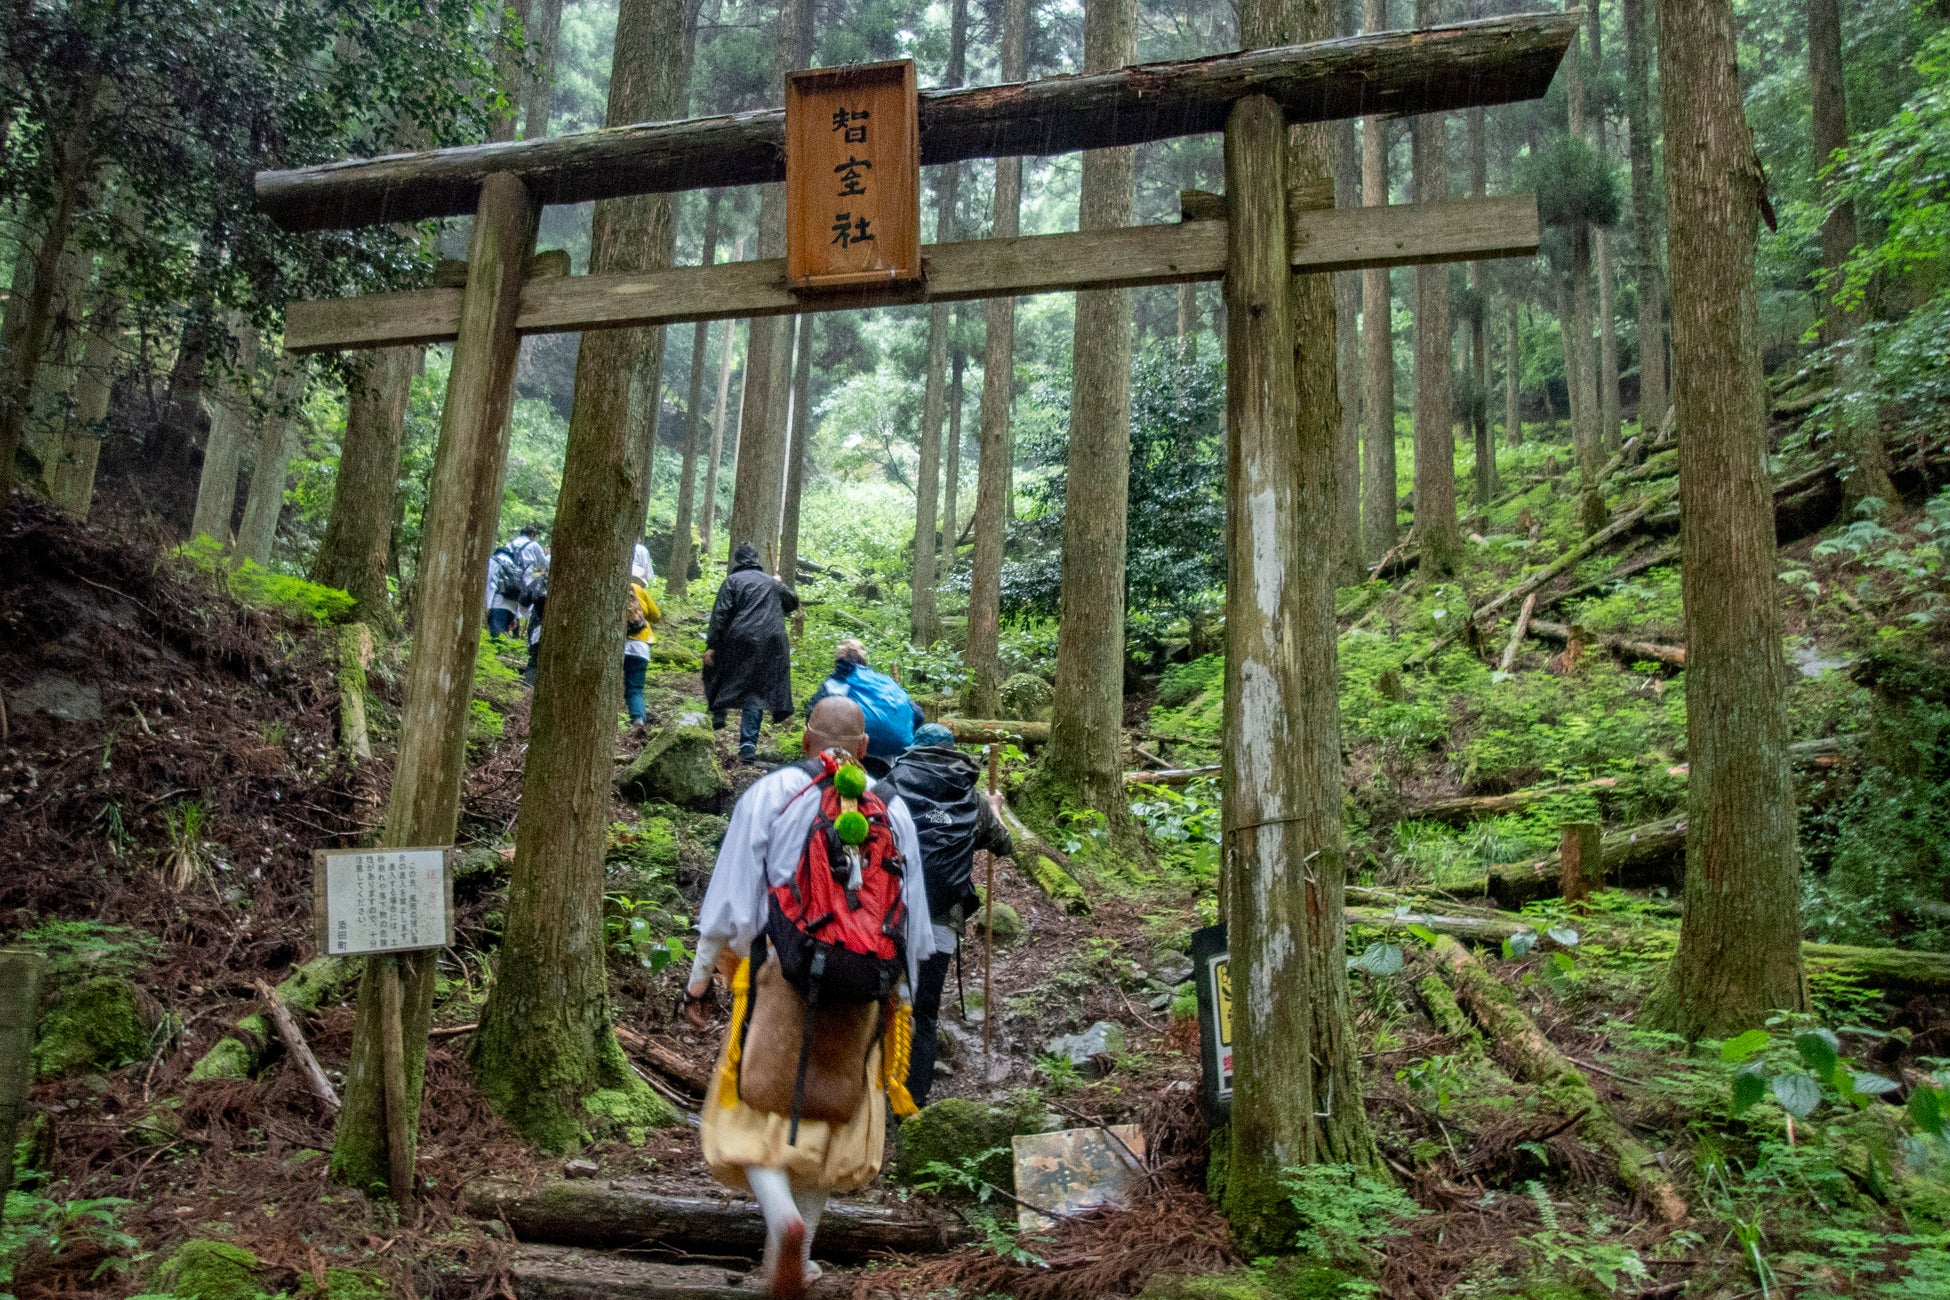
(733, 911)
(914, 892)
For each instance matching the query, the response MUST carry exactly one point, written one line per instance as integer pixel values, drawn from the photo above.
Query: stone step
(569, 1273)
(630, 1212)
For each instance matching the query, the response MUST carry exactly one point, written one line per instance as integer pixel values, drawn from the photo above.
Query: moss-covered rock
(672, 653)
(347, 1284)
(680, 766)
(229, 1059)
(962, 1134)
(1286, 1280)
(98, 1024)
(1008, 921)
(628, 1112)
(210, 1270)
(1027, 697)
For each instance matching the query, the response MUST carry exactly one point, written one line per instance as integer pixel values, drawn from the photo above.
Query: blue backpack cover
(889, 712)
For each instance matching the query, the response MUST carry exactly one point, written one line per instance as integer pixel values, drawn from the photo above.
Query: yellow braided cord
(741, 993)
(893, 1069)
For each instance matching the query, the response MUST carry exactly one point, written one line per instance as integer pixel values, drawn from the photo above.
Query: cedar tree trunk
(1653, 394)
(1739, 956)
(1378, 511)
(1436, 527)
(677, 563)
(356, 549)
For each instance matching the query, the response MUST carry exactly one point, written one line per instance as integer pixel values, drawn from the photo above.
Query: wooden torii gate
(1258, 237)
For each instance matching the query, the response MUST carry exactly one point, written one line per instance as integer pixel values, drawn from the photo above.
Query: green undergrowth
(255, 585)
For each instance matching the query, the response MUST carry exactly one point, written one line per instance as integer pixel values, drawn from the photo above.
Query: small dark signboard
(852, 176)
(1212, 970)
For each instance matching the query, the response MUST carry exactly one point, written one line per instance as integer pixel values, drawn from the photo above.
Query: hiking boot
(748, 753)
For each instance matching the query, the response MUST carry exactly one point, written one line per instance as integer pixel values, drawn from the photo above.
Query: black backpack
(942, 790)
(508, 573)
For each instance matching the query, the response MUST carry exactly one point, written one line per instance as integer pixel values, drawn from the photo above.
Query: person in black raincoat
(747, 655)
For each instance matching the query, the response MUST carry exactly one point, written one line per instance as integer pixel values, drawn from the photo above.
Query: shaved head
(836, 723)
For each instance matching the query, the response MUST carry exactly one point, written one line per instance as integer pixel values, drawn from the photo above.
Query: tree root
(1523, 1048)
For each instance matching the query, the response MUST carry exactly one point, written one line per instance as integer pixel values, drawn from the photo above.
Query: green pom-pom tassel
(852, 826)
(850, 781)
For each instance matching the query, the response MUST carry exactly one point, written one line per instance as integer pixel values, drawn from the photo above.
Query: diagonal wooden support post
(463, 509)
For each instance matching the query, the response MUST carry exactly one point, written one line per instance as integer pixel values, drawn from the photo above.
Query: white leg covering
(811, 1203)
(772, 1189)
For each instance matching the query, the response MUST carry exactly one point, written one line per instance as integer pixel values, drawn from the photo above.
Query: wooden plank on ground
(631, 1212)
(1399, 235)
(1454, 66)
(566, 1273)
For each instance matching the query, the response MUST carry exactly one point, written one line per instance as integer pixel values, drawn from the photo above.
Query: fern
(1546, 1212)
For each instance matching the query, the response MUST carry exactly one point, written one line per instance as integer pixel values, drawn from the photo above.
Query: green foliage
(55, 1227)
(630, 1111)
(260, 587)
(955, 1143)
(1346, 1213)
(645, 933)
(75, 947)
(1573, 184)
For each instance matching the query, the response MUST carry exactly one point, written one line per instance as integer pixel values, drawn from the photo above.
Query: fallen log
(994, 731)
(631, 1212)
(1615, 528)
(1652, 559)
(1045, 864)
(672, 1065)
(1467, 808)
(1523, 1049)
(1636, 857)
(1170, 775)
(1518, 633)
(294, 1043)
(240, 1053)
(1624, 647)
(568, 1273)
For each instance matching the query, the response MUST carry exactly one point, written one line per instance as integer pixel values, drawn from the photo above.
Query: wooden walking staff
(988, 917)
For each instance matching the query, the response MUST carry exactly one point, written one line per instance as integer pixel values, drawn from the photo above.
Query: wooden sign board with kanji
(382, 900)
(852, 177)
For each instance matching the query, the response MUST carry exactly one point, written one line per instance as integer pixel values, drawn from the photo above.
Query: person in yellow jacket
(640, 615)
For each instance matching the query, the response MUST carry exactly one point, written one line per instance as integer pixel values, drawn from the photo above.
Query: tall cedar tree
(677, 561)
(1856, 431)
(1083, 765)
(1348, 568)
(984, 654)
(924, 624)
(544, 1041)
(1436, 527)
(1650, 274)
(1297, 1093)
(1739, 956)
(1608, 401)
(356, 549)
(758, 494)
(1378, 512)
(798, 453)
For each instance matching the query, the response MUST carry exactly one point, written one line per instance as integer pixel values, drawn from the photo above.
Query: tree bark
(355, 551)
(463, 510)
(1856, 428)
(544, 21)
(677, 563)
(1479, 335)
(1512, 369)
(1083, 766)
(924, 624)
(508, 61)
(1349, 568)
(951, 463)
(983, 656)
(216, 487)
(544, 1042)
(258, 530)
(1609, 417)
(758, 494)
(1436, 527)
(28, 339)
(1341, 1133)
(1586, 413)
(50, 399)
(799, 455)
(1739, 955)
(720, 421)
(1378, 510)
(78, 449)
(1653, 395)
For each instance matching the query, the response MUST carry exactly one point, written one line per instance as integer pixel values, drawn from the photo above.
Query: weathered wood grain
(1400, 235)
(1455, 66)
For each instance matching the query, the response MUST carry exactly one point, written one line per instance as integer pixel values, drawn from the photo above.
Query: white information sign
(383, 900)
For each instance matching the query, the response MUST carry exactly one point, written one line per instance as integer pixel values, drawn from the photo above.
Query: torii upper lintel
(1440, 69)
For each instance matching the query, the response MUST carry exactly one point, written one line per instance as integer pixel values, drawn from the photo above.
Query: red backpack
(839, 926)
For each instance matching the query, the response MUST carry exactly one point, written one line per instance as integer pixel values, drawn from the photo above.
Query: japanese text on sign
(852, 176)
(383, 900)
